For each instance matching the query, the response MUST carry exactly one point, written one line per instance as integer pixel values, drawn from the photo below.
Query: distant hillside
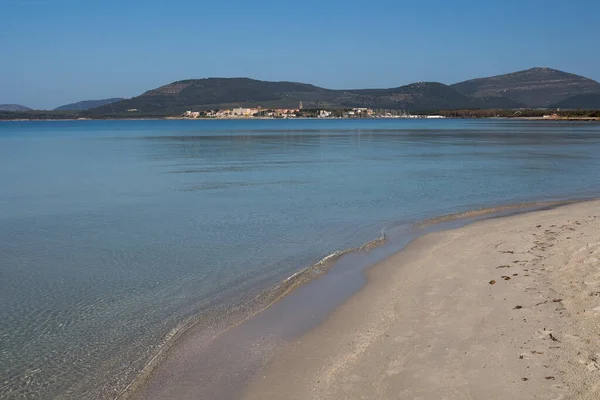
(13, 107)
(217, 92)
(212, 93)
(87, 104)
(424, 96)
(532, 88)
(536, 87)
(588, 101)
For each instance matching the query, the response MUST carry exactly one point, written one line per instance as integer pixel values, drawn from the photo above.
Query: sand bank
(505, 308)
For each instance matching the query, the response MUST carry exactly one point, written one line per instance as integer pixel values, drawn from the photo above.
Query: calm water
(113, 232)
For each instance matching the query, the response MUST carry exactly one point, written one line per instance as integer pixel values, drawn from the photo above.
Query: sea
(116, 236)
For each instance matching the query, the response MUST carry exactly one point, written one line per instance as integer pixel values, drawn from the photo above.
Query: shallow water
(114, 232)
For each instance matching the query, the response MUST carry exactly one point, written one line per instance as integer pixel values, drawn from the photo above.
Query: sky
(54, 52)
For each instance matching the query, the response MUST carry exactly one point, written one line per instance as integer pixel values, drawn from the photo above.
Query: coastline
(195, 342)
(510, 315)
(533, 119)
(242, 313)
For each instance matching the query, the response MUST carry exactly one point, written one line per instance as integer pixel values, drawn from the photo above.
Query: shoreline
(560, 119)
(253, 307)
(482, 332)
(155, 371)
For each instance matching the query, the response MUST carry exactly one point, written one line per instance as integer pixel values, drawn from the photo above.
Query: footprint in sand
(546, 334)
(592, 366)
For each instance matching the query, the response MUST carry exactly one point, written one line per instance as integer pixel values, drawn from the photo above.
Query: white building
(244, 112)
(191, 114)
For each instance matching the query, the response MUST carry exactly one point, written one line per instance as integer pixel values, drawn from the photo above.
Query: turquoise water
(114, 232)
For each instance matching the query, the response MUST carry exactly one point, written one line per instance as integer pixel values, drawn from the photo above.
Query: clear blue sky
(59, 51)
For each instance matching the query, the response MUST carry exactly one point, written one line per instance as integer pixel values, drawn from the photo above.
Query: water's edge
(242, 313)
(268, 298)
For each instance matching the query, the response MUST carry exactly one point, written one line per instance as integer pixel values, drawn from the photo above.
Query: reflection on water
(113, 232)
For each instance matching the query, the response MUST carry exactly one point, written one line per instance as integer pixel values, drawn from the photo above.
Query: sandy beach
(506, 308)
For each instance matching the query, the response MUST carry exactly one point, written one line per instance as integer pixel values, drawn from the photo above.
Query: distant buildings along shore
(248, 113)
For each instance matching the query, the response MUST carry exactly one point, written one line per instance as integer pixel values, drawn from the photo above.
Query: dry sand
(505, 308)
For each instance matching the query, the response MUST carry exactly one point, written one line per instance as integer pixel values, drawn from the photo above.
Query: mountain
(587, 101)
(533, 88)
(424, 96)
(536, 87)
(217, 93)
(87, 104)
(13, 107)
(213, 93)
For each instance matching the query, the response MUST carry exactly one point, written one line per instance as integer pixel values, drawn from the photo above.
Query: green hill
(424, 96)
(87, 104)
(536, 87)
(532, 88)
(587, 101)
(213, 93)
(13, 107)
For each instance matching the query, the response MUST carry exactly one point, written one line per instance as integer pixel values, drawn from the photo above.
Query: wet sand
(500, 309)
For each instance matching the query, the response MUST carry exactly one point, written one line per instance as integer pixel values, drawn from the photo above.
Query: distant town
(300, 112)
